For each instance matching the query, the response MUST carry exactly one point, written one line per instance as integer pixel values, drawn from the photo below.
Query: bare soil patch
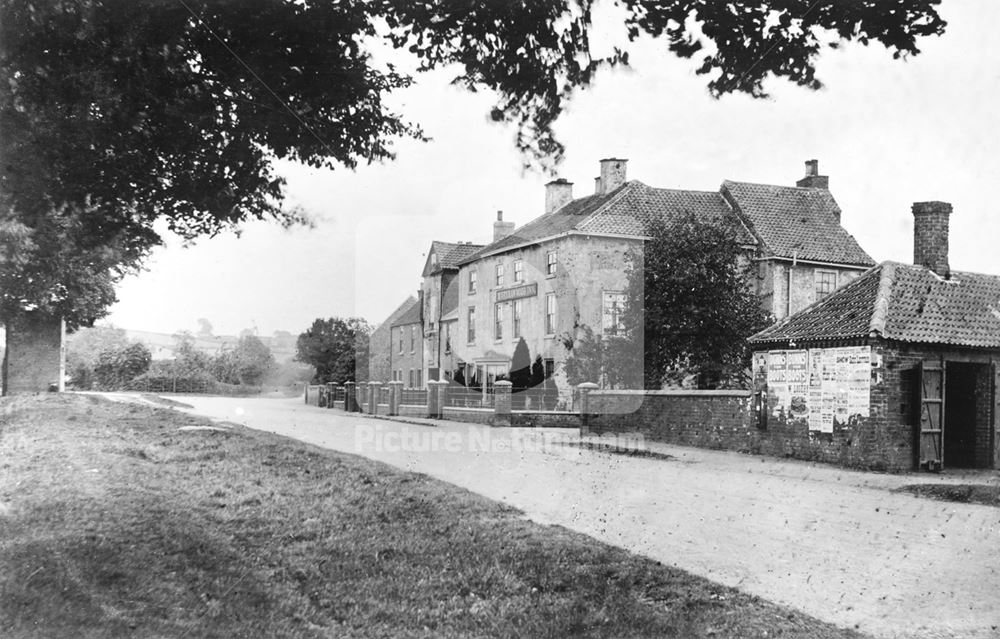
(986, 495)
(118, 524)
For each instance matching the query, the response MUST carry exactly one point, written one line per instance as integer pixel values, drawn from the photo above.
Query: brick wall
(35, 358)
(708, 419)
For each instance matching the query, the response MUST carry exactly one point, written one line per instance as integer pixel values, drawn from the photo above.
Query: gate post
(395, 396)
(585, 408)
(351, 398)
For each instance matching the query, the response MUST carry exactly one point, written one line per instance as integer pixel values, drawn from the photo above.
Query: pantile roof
(411, 315)
(624, 211)
(901, 302)
(796, 222)
(449, 255)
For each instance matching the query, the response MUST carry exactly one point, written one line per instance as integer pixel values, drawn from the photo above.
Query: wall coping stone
(677, 393)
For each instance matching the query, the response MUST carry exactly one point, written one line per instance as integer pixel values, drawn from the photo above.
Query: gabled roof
(624, 211)
(396, 314)
(409, 316)
(901, 302)
(640, 204)
(449, 255)
(795, 222)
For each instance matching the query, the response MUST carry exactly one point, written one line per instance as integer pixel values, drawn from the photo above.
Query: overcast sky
(887, 132)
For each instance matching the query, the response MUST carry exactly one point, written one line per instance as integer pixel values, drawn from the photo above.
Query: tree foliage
(116, 367)
(119, 113)
(248, 363)
(608, 361)
(83, 349)
(690, 298)
(337, 348)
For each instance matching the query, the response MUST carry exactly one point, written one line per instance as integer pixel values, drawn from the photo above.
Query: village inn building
(566, 269)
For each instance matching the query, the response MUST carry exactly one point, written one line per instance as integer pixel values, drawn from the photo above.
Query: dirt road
(834, 544)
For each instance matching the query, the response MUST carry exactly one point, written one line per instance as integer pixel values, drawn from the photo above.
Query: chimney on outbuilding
(612, 175)
(558, 193)
(930, 236)
(813, 179)
(501, 229)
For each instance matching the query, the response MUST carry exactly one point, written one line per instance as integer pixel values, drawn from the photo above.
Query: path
(832, 543)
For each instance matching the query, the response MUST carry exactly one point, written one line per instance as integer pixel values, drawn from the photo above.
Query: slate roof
(795, 222)
(411, 315)
(901, 302)
(624, 211)
(449, 255)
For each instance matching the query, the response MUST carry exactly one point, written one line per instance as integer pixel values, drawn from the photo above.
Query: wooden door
(931, 435)
(995, 370)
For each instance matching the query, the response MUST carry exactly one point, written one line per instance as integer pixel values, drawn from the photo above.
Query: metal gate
(931, 423)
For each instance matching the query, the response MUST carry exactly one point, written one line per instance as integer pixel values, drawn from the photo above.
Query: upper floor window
(550, 314)
(498, 321)
(472, 281)
(613, 305)
(518, 271)
(550, 263)
(413, 339)
(471, 331)
(446, 329)
(400, 340)
(515, 329)
(499, 274)
(826, 283)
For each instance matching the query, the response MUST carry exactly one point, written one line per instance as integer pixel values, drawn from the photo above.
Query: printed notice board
(821, 385)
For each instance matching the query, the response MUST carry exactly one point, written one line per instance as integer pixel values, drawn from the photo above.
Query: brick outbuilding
(897, 370)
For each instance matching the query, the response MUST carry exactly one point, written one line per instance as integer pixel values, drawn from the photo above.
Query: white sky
(887, 132)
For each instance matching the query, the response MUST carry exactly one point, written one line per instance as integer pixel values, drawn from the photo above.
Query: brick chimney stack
(612, 175)
(501, 229)
(558, 193)
(813, 179)
(930, 236)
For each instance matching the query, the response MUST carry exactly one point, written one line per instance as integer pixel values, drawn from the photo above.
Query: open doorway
(967, 422)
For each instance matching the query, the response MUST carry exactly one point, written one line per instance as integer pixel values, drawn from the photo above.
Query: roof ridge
(883, 297)
(628, 187)
(778, 186)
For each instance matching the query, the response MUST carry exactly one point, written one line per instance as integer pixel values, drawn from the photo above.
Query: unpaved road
(832, 543)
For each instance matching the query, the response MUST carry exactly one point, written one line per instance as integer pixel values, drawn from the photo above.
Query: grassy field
(128, 520)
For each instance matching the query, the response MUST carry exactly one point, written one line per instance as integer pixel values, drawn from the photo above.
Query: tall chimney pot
(930, 236)
(812, 178)
(597, 185)
(558, 193)
(613, 174)
(501, 229)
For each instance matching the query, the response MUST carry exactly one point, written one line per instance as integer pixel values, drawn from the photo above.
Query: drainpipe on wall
(788, 290)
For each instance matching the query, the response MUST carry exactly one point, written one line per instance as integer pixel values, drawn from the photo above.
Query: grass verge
(115, 523)
(962, 493)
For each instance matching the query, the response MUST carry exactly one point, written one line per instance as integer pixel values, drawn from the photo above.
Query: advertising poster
(825, 386)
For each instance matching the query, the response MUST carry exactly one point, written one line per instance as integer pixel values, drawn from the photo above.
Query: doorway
(967, 419)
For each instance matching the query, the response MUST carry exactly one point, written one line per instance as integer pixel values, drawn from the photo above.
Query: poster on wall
(821, 385)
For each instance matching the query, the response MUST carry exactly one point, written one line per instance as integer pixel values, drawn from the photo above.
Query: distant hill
(281, 343)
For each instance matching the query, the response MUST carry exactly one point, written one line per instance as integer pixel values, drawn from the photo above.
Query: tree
(608, 361)
(520, 372)
(117, 114)
(337, 348)
(204, 328)
(689, 297)
(117, 366)
(85, 346)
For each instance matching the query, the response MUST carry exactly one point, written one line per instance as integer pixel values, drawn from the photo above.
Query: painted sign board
(507, 294)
